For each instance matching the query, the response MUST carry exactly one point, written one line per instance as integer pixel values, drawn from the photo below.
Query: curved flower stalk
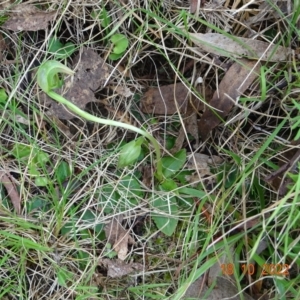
(48, 79)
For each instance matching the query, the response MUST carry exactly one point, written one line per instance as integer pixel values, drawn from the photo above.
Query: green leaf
(54, 45)
(62, 172)
(37, 204)
(101, 15)
(172, 164)
(109, 252)
(166, 224)
(105, 18)
(234, 156)
(41, 181)
(59, 49)
(131, 186)
(168, 185)
(41, 158)
(33, 170)
(170, 142)
(183, 175)
(114, 56)
(16, 239)
(65, 52)
(3, 96)
(82, 258)
(63, 276)
(120, 42)
(70, 226)
(192, 192)
(89, 217)
(108, 198)
(130, 152)
(20, 151)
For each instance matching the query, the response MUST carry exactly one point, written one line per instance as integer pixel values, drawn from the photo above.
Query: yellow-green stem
(92, 118)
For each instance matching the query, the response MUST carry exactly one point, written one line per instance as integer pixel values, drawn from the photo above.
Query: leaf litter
(171, 99)
(12, 191)
(222, 288)
(168, 99)
(118, 268)
(2, 46)
(277, 178)
(221, 282)
(222, 45)
(27, 17)
(118, 236)
(235, 82)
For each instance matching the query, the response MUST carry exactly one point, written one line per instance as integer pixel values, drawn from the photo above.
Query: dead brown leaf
(121, 90)
(27, 17)
(161, 100)
(277, 178)
(191, 123)
(147, 172)
(235, 82)
(223, 288)
(179, 140)
(12, 191)
(5, 4)
(91, 73)
(189, 126)
(202, 161)
(118, 268)
(268, 11)
(220, 44)
(2, 46)
(195, 4)
(118, 236)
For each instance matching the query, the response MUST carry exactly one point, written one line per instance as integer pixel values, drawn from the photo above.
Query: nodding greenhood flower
(48, 79)
(47, 75)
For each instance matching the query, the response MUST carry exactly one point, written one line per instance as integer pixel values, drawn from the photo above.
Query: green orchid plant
(48, 80)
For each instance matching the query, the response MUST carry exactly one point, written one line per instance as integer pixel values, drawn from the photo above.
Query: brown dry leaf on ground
(26, 17)
(91, 73)
(12, 191)
(161, 100)
(235, 82)
(277, 178)
(118, 268)
(201, 162)
(2, 46)
(118, 236)
(266, 12)
(121, 90)
(195, 4)
(222, 45)
(190, 125)
(223, 288)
